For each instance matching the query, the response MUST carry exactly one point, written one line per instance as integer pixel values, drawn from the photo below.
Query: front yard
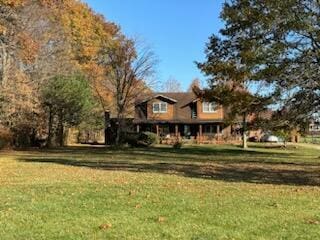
(203, 192)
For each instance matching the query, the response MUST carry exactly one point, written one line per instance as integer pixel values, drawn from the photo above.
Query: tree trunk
(49, 143)
(107, 127)
(244, 132)
(118, 134)
(60, 139)
(5, 65)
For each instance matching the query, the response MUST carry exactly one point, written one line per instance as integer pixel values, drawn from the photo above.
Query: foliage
(41, 38)
(132, 139)
(89, 34)
(283, 134)
(276, 42)
(129, 70)
(265, 55)
(177, 145)
(68, 100)
(94, 119)
(143, 139)
(69, 96)
(149, 138)
(6, 138)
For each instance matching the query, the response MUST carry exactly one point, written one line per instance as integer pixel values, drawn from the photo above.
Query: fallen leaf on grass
(276, 205)
(105, 226)
(314, 222)
(132, 193)
(161, 219)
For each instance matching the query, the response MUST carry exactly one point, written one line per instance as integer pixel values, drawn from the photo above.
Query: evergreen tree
(271, 43)
(68, 100)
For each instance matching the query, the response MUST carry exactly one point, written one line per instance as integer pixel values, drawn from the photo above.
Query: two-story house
(181, 115)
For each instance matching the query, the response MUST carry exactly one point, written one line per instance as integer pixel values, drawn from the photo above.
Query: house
(314, 126)
(185, 116)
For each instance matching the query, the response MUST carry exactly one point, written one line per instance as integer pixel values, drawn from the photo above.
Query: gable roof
(181, 98)
(153, 96)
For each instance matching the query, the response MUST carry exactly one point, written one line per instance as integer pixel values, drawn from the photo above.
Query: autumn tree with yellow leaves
(45, 38)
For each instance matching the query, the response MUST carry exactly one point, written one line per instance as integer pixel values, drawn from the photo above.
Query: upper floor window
(209, 107)
(160, 107)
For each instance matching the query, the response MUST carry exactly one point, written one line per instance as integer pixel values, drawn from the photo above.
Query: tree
(241, 106)
(231, 83)
(40, 38)
(280, 42)
(34, 49)
(68, 99)
(194, 84)
(11, 35)
(129, 71)
(171, 85)
(89, 34)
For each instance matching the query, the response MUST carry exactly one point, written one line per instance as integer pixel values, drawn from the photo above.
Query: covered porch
(206, 132)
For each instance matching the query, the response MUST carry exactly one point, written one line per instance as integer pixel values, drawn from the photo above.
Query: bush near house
(143, 139)
(177, 145)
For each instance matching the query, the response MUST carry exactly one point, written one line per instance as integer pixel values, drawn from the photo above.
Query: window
(211, 129)
(160, 107)
(208, 107)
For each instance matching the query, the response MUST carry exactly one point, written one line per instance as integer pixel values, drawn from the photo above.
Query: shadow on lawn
(261, 172)
(203, 154)
(202, 151)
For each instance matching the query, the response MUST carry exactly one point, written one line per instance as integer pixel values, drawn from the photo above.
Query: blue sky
(176, 30)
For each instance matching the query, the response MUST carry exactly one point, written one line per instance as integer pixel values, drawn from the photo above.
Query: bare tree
(9, 28)
(195, 83)
(171, 85)
(129, 73)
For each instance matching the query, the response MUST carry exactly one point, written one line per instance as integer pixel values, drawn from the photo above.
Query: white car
(270, 138)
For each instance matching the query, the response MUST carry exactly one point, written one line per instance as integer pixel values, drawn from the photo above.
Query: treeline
(62, 64)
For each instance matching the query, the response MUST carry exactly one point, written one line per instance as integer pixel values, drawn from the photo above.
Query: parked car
(270, 138)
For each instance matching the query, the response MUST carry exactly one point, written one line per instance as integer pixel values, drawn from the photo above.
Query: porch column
(200, 133)
(218, 132)
(138, 128)
(158, 132)
(177, 130)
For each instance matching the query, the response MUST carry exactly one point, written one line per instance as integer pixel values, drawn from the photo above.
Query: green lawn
(218, 192)
(311, 139)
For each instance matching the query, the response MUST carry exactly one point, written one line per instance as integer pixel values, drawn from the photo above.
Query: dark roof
(182, 98)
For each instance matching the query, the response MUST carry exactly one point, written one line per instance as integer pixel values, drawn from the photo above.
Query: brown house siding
(159, 116)
(209, 116)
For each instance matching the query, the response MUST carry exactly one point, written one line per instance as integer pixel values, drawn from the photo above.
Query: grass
(311, 139)
(203, 192)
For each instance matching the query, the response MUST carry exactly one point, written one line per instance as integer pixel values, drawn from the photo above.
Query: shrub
(149, 138)
(132, 139)
(177, 145)
(143, 139)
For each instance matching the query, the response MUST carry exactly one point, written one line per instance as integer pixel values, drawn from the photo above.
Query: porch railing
(201, 139)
